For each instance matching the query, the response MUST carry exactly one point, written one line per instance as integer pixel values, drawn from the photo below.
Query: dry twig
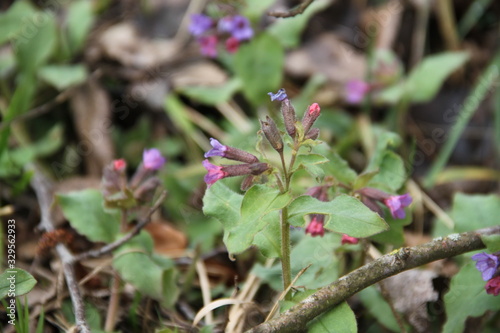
(294, 11)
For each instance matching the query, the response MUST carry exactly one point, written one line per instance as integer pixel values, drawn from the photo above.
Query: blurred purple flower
(487, 264)
(200, 24)
(208, 45)
(397, 203)
(356, 90)
(214, 173)
(152, 159)
(238, 26)
(279, 96)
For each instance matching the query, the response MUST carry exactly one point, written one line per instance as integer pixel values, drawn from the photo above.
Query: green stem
(285, 251)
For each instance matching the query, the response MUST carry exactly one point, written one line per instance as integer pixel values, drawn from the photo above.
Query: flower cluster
(235, 29)
(119, 192)
(489, 266)
(251, 166)
(395, 203)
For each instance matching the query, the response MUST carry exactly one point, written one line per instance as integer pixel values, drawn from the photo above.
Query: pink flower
(315, 227)
(152, 159)
(119, 165)
(214, 173)
(493, 286)
(356, 90)
(349, 240)
(396, 204)
(208, 46)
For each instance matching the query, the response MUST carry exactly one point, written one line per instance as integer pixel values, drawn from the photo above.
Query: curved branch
(296, 319)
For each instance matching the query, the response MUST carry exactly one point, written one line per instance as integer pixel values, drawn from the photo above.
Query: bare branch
(296, 319)
(112, 246)
(43, 189)
(294, 11)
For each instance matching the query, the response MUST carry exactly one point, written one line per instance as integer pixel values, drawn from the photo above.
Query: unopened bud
(244, 169)
(272, 134)
(147, 189)
(113, 179)
(247, 182)
(289, 118)
(374, 193)
(310, 116)
(313, 134)
(372, 205)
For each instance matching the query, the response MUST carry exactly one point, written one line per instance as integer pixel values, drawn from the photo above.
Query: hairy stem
(285, 251)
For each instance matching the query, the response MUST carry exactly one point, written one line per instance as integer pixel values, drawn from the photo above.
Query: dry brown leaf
(410, 291)
(91, 107)
(167, 240)
(202, 73)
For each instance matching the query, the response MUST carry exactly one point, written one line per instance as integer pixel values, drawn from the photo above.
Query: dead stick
(294, 11)
(296, 319)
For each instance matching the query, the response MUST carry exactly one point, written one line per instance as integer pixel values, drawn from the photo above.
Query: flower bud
(272, 134)
(373, 193)
(244, 169)
(310, 116)
(313, 134)
(114, 179)
(370, 203)
(147, 189)
(230, 152)
(289, 118)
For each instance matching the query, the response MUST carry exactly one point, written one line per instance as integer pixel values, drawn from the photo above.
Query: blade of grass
(473, 14)
(41, 319)
(485, 81)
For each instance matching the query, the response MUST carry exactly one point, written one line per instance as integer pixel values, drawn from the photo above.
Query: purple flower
(208, 45)
(315, 227)
(218, 149)
(397, 203)
(152, 159)
(214, 173)
(200, 24)
(279, 96)
(486, 263)
(238, 26)
(356, 90)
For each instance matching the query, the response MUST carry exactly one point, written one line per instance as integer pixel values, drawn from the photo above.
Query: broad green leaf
(269, 239)
(7, 64)
(243, 217)
(471, 212)
(339, 168)
(395, 234)
(467, 298)
(13, 161)
(426, 78)
(346, 215)
(10, 21)
(377, 306)
(213, 95)
(85, 212)
(492, 242)
(340, 319)
(385, 141)
(392, 173)
(15, 282)
(151, 275)
(20, 103)
(289, 30)
(79, 22)
(63, 76)
(363, 179)
(35, 47)
(314, 251)
(259, 65)
(256, 9)
(312, 163)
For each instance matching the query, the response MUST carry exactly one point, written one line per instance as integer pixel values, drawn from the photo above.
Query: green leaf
(79, 22)
(152, 275)
(341, 318)
(311, 162)
(243, 217)
(63, 76)
(15, 282)
(492, 242)
(19, 12)
(395, 234)
(392, 173)
(347, 215)
(34, 48)
(471, 212)
(85, 212)
(259, 65)
(213, 95)
(377, 306)
(268, 241)
(289, 30)
(467, 298)
(340, 169)
(255, 11)
(426, 78)
(363, 179)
